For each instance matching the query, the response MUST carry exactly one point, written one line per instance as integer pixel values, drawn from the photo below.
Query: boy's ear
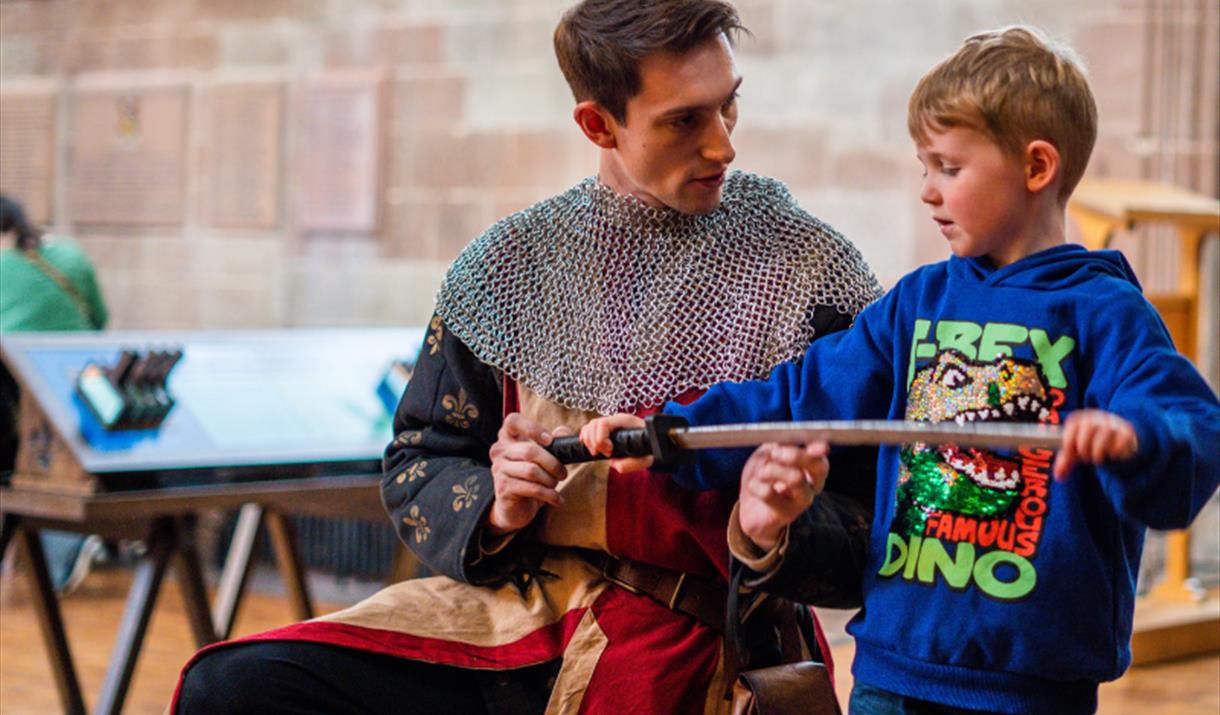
(1041, 165)
(596, 123)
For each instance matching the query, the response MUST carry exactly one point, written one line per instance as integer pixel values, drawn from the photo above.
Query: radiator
(344, 548)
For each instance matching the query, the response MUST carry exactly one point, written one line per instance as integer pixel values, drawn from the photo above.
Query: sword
(670, 440)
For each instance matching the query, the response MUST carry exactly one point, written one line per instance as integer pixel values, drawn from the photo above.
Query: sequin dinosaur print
(970, 481)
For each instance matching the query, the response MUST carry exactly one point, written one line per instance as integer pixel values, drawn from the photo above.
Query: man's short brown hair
(599, 43)
(1015, 87)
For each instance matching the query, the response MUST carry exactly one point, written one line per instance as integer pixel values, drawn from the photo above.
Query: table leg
(8, 525)
(141, 600)
(283, 538)
(404, 564)
(236, 570)
(1174, 586)
(190, 579)
(50, 621)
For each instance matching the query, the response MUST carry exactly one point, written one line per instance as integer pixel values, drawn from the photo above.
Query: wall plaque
(339, 164)
(27, 150)
(244, 154)
(129, 156)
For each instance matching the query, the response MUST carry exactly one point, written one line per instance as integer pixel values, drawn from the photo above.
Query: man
(578, 589)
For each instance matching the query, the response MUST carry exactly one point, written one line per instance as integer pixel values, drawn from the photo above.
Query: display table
(273, 423)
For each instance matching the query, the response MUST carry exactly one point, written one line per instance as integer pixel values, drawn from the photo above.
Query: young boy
(995, 581)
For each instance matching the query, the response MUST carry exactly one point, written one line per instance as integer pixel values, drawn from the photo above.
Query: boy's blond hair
(1014, 86)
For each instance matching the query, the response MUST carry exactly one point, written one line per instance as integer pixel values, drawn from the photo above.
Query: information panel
(339, 165)
(129, 156)
(246, 125)
(27, 150)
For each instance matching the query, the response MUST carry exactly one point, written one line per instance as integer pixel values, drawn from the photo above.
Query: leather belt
(699, 597)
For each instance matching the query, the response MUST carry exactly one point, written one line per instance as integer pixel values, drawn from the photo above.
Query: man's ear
(596, 123)
(1042, 166)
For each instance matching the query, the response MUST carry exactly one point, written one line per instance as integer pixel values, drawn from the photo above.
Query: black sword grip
(626, 443)
(652, 440)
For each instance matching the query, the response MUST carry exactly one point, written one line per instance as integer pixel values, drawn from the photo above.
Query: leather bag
(799, 686)
(787, 689)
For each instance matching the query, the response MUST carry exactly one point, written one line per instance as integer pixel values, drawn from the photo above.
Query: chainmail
(598, 302)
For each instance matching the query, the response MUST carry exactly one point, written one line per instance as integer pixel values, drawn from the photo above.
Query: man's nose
(718, 142)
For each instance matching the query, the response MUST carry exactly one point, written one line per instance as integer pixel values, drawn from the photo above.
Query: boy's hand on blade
(778, 483)
(1094, 437)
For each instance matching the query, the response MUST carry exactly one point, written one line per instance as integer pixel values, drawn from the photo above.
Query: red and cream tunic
(586, 304)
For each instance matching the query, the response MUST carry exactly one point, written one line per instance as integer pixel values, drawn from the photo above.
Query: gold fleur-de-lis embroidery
(461, 412)
(409, 438)
(467, 494)
(413, 472)
(419, 522)
(438, 331)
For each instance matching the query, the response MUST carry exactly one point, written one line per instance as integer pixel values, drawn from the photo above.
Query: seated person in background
(49, 283)
(989, 586)
(44, 285)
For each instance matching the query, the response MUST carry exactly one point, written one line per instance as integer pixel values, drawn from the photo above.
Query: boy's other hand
(1093, 437)
(525, 475)
(595, 436)
(777, 484)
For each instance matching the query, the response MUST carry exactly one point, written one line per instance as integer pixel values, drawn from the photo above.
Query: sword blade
(871, 432)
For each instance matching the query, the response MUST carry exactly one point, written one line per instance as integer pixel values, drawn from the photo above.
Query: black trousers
(10, 402)
(266, 677)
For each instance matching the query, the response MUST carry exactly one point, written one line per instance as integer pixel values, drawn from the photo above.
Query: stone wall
(274, 222)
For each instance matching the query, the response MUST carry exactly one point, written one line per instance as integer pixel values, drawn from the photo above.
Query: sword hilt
(653, 439)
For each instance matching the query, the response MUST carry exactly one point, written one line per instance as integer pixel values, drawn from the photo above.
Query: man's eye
(732, 101)
(683, 122)
(950, 170)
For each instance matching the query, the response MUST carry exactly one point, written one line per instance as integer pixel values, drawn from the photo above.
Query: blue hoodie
(989, 585)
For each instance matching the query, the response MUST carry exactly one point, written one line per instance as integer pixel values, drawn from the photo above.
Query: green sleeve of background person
(31, 300)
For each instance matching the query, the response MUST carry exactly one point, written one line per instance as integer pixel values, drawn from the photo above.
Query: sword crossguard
(653, 439)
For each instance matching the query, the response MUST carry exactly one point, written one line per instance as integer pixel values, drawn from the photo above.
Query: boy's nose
(928, 193)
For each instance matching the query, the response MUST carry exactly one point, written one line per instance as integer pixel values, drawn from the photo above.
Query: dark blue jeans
(62, 548)
(867, 700)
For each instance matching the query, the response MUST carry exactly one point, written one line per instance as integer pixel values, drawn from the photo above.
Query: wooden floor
(1186, 687)
(92, 614)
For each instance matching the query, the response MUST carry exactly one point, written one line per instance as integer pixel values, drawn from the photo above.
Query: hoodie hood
(1056, 268)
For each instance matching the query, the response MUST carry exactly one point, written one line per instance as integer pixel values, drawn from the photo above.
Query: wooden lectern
(1174, 619)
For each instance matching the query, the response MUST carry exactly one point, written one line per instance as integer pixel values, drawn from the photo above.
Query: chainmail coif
(598, 302)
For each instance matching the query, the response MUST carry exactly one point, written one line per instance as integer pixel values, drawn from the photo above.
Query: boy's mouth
(944, 224)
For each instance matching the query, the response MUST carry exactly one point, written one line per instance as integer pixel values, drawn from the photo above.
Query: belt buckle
(607, 566)
(673, 599)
